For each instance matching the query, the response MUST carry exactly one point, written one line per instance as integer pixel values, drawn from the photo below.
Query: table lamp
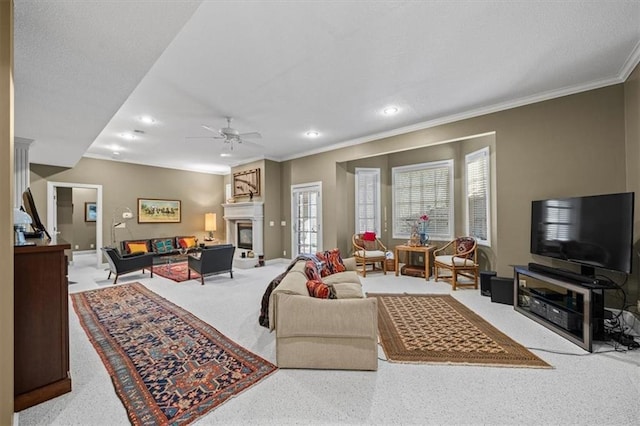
(210, 225)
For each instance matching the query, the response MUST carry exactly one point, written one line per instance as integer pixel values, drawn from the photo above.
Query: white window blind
(423, 189)
(477, 193)
(367, 200)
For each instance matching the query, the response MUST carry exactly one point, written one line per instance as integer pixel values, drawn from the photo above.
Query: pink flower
(424, 217)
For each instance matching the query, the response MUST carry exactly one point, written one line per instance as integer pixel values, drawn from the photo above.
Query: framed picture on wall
(246, 183)
(158, 211)
(90, 212)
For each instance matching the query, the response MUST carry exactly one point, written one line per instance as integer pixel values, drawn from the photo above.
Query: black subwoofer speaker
(502, 290)
(485, 282)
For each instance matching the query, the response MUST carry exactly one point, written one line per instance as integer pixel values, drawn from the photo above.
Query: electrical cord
(572, 354)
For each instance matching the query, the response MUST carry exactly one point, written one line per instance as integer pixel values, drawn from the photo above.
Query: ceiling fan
(231, 136)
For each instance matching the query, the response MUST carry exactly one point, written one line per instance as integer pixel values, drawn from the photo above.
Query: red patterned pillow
(320, 290)
(465, 244)
(325, 269)
(311, 271)
(335, 261)
(331, 261)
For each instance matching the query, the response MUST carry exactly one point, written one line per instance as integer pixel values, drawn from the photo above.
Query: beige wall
(6, 212)
(563, 147)
(632, 136)
(124, 183)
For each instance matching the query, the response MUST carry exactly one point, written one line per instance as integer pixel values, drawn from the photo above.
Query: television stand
(573, 308)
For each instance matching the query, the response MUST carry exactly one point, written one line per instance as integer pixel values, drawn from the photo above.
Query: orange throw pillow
(137, 248)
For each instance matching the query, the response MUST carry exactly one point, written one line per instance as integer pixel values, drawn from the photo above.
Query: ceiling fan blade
(250, 135)
(211, 129)
(203, 137)
(249, 144)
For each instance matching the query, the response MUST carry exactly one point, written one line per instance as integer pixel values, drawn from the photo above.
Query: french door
(306, 218)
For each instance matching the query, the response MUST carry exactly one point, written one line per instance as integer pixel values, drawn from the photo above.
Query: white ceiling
(85, 72)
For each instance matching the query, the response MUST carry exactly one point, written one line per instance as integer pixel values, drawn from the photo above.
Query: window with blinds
(423, 189)
(477, 195)
(367, 200)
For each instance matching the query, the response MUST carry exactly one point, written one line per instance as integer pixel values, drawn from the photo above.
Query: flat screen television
(30, 207)
(594, 231)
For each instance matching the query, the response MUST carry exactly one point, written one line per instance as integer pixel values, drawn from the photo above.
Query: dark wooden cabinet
(41, 324)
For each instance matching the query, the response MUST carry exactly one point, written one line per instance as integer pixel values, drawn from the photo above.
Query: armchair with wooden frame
(369, 250)
(458, 258)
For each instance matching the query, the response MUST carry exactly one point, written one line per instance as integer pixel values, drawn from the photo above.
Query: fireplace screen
(245, 236)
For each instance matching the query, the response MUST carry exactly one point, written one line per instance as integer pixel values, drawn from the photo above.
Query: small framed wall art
(90, 212)
(152, 210)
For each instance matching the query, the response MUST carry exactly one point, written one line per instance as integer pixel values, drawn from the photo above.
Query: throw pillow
(331, 262)
(324, 269)
(320, 290)
(369, 236)
(158, 246)
(187, 242)
(334, 260)
(311, 271)
(137, 247)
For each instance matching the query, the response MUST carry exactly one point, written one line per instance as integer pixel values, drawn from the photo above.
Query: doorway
(306, 217)
(52, 210)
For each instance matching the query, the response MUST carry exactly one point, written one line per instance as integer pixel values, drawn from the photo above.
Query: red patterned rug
(177, 271)
(430, 328)
(167, 366)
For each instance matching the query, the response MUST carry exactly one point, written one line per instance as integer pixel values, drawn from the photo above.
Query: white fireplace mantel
(252, 211)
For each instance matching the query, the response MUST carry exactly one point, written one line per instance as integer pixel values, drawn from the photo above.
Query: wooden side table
(420, 249)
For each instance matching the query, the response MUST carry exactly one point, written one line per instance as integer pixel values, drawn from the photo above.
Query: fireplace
(245, 236)
(244, 229)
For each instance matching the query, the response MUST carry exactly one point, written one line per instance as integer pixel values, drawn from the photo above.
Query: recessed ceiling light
(390, 110)
(312, 134)
(146, 119)
(225, 154)
(128, 136)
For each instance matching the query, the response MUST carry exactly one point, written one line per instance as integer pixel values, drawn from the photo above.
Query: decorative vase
(424, 237)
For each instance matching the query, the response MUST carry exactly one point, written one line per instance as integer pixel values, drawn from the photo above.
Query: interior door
(306, 217)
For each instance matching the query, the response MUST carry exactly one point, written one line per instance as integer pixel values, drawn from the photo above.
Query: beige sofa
(337, 333)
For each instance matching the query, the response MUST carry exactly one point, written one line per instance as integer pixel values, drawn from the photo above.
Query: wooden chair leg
(201, 279)
(109, 277)
(454, 280)
(384, 266)
(116, 280)
(364, 268)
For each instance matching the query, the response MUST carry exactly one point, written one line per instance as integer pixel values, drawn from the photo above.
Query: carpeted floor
(168, 367)
(436, 328)
(176, 271)
(589, 389)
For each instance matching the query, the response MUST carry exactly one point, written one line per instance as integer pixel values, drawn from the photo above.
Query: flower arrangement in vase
(421, 225)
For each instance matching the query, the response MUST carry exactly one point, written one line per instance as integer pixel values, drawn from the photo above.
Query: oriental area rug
(177, 271)
(167, 366)
(425, 328)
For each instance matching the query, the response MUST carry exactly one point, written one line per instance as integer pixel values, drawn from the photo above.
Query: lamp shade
(210, 222)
